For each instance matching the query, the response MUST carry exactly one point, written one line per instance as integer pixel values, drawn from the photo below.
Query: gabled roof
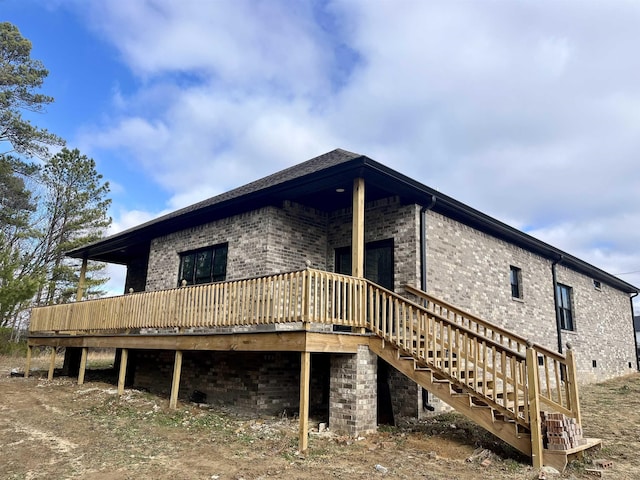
(316, 183)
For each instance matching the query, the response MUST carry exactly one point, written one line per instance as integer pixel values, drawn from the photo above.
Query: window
(597, 285)
(515, 276)
(565, 311)
(204, 266)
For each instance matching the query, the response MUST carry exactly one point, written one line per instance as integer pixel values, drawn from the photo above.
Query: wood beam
(82, 280)
(357, 236)
(284, 341)
(305, 370)
(83, 365)
(175, 384)
(27, 367)
(123, 370)
(52, 364)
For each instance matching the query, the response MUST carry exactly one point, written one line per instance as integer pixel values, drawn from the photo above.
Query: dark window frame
(515, 279)
(204, 265)
(565, 307)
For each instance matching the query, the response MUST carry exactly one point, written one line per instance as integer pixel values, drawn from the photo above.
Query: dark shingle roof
(105, 249)
(316, 164)
(314, 183)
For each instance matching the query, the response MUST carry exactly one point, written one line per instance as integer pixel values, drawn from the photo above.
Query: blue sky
(528, 111)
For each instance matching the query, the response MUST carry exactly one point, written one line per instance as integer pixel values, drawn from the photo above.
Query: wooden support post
(52, 363)
(572, 385)
(83, 365)
(357, 237)
(534, 407)
(357, 234)
(27, 367)
(81, 280)
(305, 370)
(175, 384)
(124, 355)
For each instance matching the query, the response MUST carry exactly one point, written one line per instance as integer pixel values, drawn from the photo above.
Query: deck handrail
(481, 365)
(555, 369)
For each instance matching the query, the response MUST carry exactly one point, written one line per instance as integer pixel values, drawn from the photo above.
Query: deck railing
(301, 296)
(480, 358)
(556, 373)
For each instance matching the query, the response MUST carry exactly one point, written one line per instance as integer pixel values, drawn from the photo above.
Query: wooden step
(559, 459)
(452, 391)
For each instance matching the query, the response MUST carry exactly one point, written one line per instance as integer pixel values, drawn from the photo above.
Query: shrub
(10, 347)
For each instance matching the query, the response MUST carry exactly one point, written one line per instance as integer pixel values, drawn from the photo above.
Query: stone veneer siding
(353, 397)
(471, 270)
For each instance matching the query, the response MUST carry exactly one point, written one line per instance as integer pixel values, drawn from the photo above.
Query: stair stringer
(461, 402)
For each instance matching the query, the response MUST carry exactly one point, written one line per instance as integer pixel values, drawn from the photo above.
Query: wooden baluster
(485, 369)
(556, 365)
(505, 384)
(547, 377)
(450, 347)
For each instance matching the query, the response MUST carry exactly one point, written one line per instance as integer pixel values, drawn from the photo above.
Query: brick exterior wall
(603, 328)
(261, 242)
(274, 240)
(384, 219)
(252, 382)
(353, 396)
(471, 270)
(404, 395)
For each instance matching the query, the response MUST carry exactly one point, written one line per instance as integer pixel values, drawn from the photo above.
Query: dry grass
(61, 430)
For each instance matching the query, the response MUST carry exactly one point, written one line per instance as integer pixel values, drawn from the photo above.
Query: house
(342, 287)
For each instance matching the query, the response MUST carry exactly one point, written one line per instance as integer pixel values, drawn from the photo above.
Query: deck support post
(81, 280)
(572, 385)
(305, 370)
(27, 367)
(534, 407)
(175, 384)
(83, 365)
(124, 355)
(52, 363)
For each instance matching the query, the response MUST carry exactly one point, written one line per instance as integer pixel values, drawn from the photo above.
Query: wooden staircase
(493, 376)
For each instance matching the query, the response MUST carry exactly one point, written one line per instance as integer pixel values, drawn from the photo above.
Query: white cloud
(525, 110)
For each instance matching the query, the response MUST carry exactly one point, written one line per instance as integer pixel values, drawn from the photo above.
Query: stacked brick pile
(560, 432)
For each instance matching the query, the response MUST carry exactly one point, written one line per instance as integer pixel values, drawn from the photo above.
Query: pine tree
(76, 206)
(19, 277)
(20, 77)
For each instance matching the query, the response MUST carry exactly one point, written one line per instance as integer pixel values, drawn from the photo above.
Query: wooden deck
(493, 376)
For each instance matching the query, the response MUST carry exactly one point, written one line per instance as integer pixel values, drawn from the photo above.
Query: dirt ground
(59, 430)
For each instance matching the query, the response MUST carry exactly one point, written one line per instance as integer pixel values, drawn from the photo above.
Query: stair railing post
(572, 385)
(534, 406)
(306, 286)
